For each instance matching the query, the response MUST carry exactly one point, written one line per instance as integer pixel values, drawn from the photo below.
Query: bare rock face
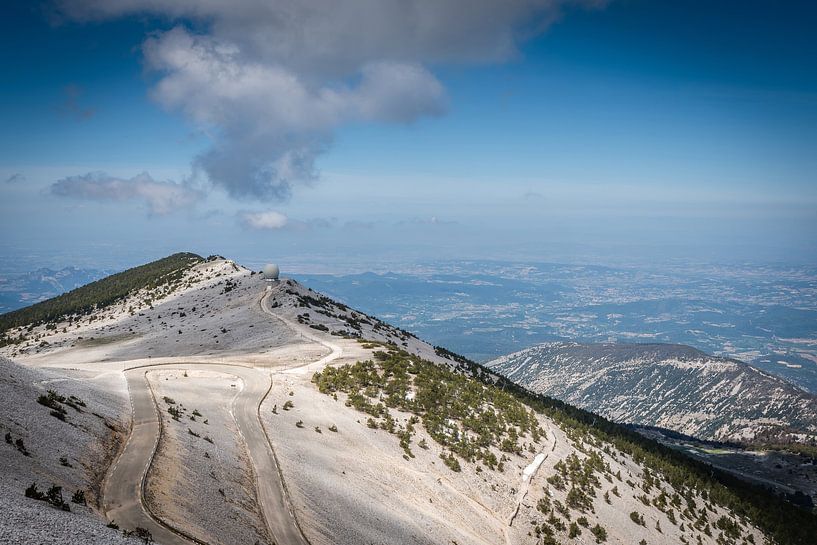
(670, 386)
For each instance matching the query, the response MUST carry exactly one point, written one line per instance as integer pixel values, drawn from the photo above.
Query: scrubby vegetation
(139, 533)
(18, 444)
(55, 402)
(352, 319)
(599, 533)
(782, 521)
(476, 415)
(79, 498)
(164, 273)
(53, 496)
(471, 420)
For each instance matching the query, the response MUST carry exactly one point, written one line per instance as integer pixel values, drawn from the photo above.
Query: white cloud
(161, 197)
(265, 220)
(269, 123)
(271, 80)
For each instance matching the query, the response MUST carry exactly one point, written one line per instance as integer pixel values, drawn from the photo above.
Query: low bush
(53, 496)
(78, 497)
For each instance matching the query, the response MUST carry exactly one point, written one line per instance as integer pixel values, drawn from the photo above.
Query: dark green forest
(106, 291)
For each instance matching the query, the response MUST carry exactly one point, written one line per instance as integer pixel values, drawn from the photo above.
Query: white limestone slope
(350, 487)
(86, 442)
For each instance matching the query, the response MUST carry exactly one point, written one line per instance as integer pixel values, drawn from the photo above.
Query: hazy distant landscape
(763, 315)
(19, 289)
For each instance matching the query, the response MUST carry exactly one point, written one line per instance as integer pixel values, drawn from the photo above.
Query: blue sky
(630, 131)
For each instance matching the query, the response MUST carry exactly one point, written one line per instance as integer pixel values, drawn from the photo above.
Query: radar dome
(270, 271)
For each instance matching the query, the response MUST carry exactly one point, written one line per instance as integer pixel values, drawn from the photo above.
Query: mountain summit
(201, 403)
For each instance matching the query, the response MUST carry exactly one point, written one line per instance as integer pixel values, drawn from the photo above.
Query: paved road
(335, 351)
(277, 510)
(124, 487)
(122, 495)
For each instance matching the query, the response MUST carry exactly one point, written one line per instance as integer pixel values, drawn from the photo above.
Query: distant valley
(19, 289)
(765, 316)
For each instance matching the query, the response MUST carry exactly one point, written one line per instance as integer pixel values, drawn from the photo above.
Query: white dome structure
(271, 271)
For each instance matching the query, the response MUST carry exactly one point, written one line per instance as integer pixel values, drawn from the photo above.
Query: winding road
(124, 488)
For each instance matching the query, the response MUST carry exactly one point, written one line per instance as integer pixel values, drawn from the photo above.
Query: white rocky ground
(351, 487)
(87, 442)
(215, 312)
(355, 486)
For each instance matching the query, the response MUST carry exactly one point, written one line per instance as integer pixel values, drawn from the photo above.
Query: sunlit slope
(669, 386)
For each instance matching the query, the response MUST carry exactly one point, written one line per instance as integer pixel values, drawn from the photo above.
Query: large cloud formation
(270, 80)
(160, 197)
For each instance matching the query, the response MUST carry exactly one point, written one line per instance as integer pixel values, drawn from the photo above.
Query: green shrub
(599, 533)
(53, 496)
(452, 407)
(451, 461)
(33, 493)
(21, 446)
(465, 417)
(78, 497)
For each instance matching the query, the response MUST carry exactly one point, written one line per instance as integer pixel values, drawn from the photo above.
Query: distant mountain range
(23, 289)
(765, 316)
(670, 386)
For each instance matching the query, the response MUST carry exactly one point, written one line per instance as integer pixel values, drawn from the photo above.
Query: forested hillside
(102, 292)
